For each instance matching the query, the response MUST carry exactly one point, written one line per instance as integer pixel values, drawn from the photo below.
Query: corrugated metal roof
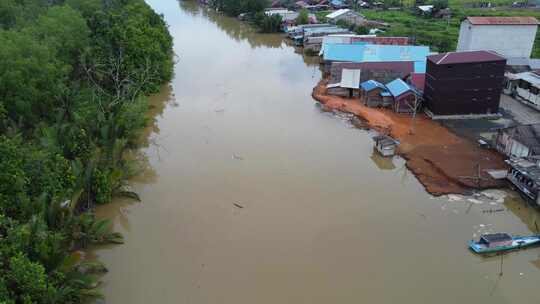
(397, 87)
(350, 79)
(324, 30)
(465, 57)
(359, 39)
(378, 53)
(337, 13)
(528, 135)
(530, 77)
(503, 20)
(425, 8)
(371, 85)
(343, 52)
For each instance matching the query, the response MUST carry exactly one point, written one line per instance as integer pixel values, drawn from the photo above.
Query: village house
(524, 174)
(347, 15)
(508, 36)
(361, 39)
(403, 97)
(525, 86)
(370, 94)
(349, 86)
(375, 53)
(338, 4)
(320, 32)
(519, 141)
(382, 72)
(425, 10)
(464, 84)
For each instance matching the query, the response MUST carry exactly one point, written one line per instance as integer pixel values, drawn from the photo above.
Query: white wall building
(508, 36)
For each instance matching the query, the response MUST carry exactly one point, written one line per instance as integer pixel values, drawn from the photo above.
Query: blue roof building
(398, 87)
(405, 97)
(378, 53)
(344, 52)
(371, 85)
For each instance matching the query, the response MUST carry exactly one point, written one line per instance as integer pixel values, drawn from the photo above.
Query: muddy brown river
(252, 194)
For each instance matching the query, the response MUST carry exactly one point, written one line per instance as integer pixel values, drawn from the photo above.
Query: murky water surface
(324, 220)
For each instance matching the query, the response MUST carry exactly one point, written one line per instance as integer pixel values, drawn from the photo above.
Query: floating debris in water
(496, 195)
(237, 157)
(493, 210)
(475, 201)
(454, 197)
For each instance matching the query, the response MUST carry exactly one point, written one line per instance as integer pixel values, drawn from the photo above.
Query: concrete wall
(507, 40)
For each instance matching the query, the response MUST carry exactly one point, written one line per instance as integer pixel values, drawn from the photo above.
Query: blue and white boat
(496, 242)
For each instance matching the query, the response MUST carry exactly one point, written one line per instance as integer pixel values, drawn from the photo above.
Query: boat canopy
(495, 238)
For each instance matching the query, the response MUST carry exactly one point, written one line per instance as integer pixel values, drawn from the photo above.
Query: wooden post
(501, 266)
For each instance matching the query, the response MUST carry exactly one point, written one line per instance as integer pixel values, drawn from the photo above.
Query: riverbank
(443, 162)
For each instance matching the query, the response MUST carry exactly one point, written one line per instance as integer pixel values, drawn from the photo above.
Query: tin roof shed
(371, 85)
(337, 13)
(350, 79)
(398, 87)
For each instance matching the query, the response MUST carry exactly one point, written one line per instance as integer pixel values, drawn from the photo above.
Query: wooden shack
(385, 145)
(370, 94)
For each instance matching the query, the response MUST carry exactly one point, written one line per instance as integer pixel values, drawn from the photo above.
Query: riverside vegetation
(73, 80)
(253, 11)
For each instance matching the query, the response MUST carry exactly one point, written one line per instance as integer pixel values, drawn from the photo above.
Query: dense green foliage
(251, 10)
(303, 17)
(267, 23)
(237, 7)
(73, 76)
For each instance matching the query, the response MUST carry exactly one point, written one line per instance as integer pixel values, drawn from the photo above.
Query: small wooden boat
(496, 242)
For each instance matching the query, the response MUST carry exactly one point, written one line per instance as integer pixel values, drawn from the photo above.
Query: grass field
(442, 35)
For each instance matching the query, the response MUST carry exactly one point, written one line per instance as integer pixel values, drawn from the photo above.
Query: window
(534, 90)
(524, 84)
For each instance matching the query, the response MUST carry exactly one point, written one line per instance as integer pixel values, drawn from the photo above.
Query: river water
(324, 220)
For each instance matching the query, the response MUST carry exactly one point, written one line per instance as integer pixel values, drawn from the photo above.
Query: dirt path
(442, 162)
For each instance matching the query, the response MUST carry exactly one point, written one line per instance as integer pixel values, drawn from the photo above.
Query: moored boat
(496, 242)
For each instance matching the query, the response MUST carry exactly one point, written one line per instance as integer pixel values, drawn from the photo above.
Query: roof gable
(398, 87)
(337, 13)
(465, 57)
(372, 85)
